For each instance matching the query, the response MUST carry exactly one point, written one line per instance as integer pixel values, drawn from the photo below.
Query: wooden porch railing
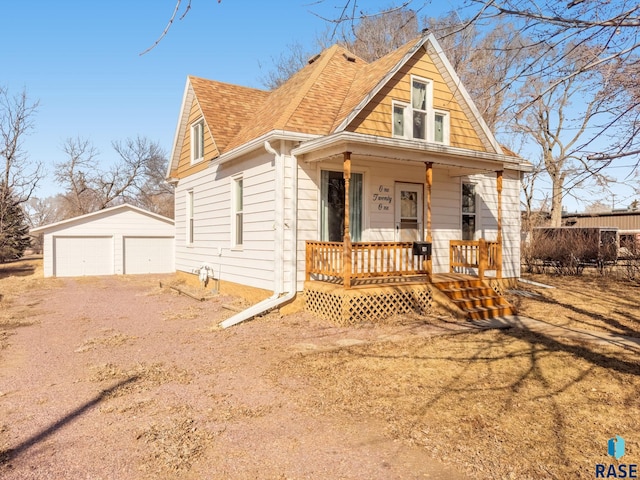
(480, 254)
(368, 260)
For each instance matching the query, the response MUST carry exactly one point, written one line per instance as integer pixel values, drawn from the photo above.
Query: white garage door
(148, 255)
(79, 256)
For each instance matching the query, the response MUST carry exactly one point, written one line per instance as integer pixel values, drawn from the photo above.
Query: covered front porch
(356, 264)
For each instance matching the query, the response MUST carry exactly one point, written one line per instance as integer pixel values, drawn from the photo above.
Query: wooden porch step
(468, 292)
(474, 302)
(475, 299)
(484, 313)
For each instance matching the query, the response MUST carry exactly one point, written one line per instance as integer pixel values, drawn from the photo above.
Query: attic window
(418, 120)
(313, 59)
(197, 141)
(349, 58)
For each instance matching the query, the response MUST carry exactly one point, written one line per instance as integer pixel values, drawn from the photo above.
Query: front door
(408, 215)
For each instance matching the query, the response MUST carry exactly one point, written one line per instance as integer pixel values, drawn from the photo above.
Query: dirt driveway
(117, 378)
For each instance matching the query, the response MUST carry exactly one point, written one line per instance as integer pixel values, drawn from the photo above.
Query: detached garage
(117, 240)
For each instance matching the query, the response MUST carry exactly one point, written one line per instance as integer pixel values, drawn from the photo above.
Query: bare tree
(377, 35)
(610, 29)
(286, 65)
(484, 60)
(42, 211)
(78, 176)
(561, 133)
(20, 175)
(136, 177)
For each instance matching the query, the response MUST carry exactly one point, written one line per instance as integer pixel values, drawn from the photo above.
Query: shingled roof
(314, 101)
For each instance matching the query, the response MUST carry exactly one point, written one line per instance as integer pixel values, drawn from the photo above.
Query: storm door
(408, 215)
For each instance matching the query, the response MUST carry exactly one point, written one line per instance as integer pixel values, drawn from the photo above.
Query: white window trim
(430, 113)
(476, 214)
(364, 171)
(234, 212)
(190, 220)
(445, 126)
(427, 111)
(406, 118)
(198, 124)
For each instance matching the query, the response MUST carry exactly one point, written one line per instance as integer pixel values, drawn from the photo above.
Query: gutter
(259, 142)
(276, 299)
(338, 142)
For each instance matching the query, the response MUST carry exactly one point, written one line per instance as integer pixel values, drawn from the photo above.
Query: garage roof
(108, 211)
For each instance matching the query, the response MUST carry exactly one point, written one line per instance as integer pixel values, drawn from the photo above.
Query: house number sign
(382, 198)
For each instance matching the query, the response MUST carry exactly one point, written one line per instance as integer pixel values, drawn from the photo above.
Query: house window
(332, 206)
(418, 120)
(419, 107)
(237, 229)
(469, 216)
(197, 141)
(398, 119)
(189, 235)
(441, 127)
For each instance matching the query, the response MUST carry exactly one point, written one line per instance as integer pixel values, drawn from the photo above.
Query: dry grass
(139, 377)
(498, 404)
(109, 340)
(589, 302)
(173, 445)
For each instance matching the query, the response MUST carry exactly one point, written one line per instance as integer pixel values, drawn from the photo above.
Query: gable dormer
(420, 99)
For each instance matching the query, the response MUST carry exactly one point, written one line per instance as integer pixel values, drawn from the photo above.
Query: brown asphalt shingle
(314, 101)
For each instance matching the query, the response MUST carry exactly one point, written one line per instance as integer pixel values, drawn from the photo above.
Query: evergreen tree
(14, 229)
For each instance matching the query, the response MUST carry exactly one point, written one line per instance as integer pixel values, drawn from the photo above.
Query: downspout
(276, 299)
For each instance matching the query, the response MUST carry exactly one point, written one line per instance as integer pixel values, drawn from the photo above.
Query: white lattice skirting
(349, 307)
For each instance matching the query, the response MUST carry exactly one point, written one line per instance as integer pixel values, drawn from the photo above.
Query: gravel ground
(117, 378)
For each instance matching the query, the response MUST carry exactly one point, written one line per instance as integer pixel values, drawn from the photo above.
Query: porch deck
(366, 282)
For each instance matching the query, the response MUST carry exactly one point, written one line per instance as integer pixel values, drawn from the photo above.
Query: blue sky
(81, 60)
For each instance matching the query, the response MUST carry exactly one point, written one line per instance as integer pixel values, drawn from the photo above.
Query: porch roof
(401, 150)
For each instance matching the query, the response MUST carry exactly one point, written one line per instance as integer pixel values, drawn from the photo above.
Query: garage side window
(189, 232)
(237, 198)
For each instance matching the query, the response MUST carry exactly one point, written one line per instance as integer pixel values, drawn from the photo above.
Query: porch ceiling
(399, 150)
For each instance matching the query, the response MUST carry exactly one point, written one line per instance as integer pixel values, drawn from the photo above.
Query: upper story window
(418, 120)
(441, 127)
(197, 141)
(419, 108)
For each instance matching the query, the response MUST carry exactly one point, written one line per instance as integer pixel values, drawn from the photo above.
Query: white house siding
(114, 224)
(511, 224)
(253, 264)
(446, 219)
(308, 194)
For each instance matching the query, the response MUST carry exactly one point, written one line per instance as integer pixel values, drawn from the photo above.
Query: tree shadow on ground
(16, 268)
(10, 454)
(606, 322)
(478, 390)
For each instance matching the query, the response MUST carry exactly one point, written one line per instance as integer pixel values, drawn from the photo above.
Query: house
(626, 221)
(328, 183)
(119, 240)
